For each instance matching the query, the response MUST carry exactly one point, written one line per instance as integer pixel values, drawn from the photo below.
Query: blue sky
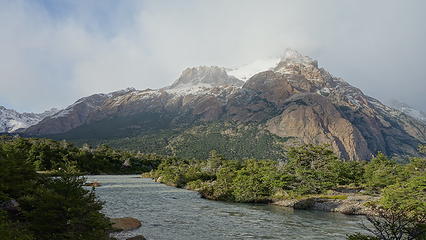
(56, 51)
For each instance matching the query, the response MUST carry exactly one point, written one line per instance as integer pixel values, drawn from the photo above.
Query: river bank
(174, 213)
(349, 203)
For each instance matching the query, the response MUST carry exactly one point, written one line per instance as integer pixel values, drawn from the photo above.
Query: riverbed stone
(354, 204)
(125, 224)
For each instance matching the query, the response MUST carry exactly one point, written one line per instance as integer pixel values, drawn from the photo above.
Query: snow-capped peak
(213, 76)
(247, 71)
(293, 56)
(290, 56)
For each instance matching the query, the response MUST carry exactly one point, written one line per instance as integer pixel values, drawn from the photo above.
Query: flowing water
(178, 214)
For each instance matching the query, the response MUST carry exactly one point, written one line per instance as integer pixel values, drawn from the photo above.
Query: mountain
(11, 120)
(205, 76)
(74, 115)
(407, 109)
(291, 102)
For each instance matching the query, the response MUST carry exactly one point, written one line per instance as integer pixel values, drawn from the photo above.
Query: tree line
(50, 156)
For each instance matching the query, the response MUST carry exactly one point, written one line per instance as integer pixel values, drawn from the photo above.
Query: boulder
(125, 224)
(304, 204)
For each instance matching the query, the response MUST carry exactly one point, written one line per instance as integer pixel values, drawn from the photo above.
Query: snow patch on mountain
(11, 120)
(294, 56)
(189, 89)
(407, 109)
(91, 102)
(247, 71)
(211, 75)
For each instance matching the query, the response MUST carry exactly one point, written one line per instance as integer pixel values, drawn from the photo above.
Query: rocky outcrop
(125, 224)
(314, 119)
(351, 204)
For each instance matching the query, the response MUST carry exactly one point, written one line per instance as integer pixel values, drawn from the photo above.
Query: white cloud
(48, 60)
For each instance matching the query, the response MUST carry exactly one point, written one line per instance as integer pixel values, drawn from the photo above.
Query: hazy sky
(53, 52)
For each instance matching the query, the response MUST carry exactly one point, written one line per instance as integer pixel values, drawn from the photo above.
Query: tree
(257, 181)
(312, 168)
(49, 208)
(12, 231)
(381, 172)
(401, 211)
(17, 176)
(394, 225)
(62, 209)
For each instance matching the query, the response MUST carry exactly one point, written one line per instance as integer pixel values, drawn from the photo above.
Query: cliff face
(314, 119)
(294, 99)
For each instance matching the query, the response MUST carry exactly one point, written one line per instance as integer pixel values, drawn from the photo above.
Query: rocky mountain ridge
(409, 110)
(293, 99)
(11, 120)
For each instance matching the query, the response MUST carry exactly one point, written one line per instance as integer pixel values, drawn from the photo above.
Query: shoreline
(345, 203)
(354, 204)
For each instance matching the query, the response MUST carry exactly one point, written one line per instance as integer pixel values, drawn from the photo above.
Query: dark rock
(304, 204)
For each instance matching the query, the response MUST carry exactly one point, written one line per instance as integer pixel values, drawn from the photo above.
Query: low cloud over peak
(54, 52)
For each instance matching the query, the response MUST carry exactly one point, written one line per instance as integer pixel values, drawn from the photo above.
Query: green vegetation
(52, 156)
(232, 140)
(309, 170)
(37, 207)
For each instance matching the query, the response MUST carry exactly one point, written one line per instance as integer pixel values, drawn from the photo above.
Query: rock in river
(125, 224)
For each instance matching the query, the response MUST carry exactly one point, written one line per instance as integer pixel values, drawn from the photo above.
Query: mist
(54, 52)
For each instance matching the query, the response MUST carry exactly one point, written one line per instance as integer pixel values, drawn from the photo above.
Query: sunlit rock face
(294, 97)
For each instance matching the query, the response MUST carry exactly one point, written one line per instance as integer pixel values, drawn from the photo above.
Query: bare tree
(395, 225)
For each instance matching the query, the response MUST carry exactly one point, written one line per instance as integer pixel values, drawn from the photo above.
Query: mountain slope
(407, 109)
(74, 115)
(294, 100)
(11, 120)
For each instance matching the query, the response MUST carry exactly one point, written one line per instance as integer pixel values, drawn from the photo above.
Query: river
(169, 213)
